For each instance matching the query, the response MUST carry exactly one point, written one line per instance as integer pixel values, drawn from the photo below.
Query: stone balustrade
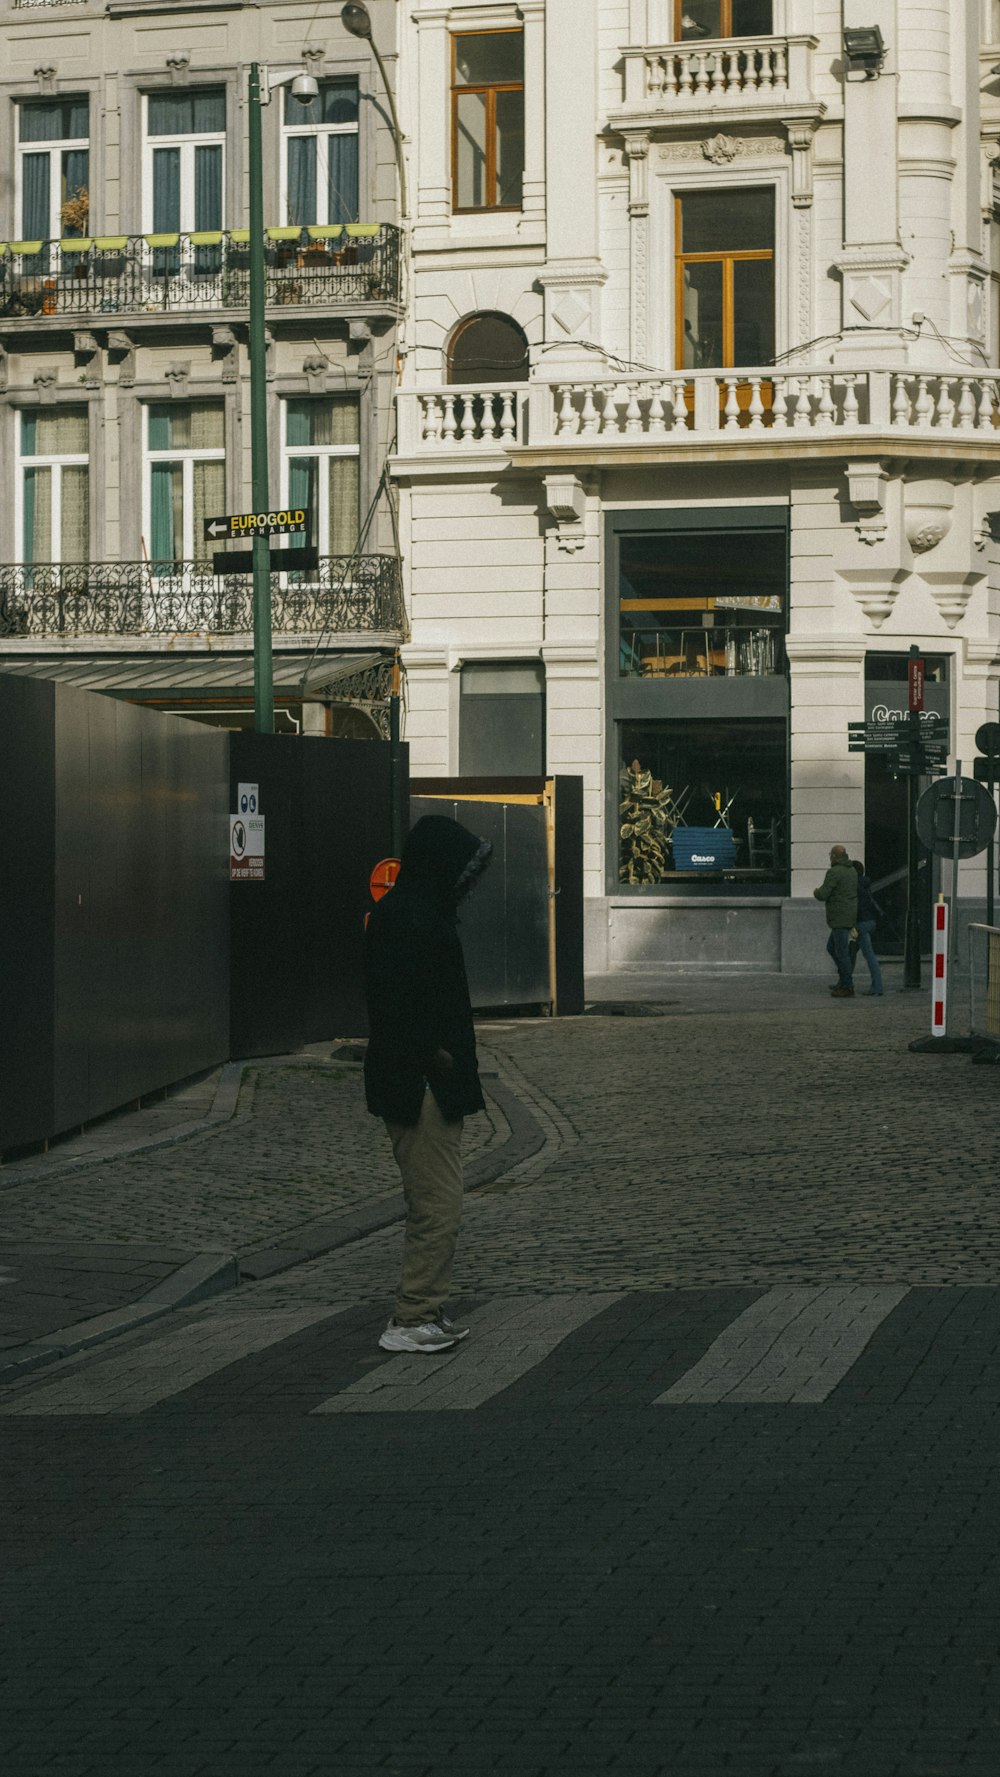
(753, 406)
(731, 71)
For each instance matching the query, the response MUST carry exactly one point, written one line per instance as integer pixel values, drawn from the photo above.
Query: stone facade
(870, 431)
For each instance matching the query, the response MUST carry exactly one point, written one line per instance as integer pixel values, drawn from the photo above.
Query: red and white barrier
(939, 983)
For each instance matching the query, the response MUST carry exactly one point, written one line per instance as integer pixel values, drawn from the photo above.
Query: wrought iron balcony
(345, 596)
(353, 265)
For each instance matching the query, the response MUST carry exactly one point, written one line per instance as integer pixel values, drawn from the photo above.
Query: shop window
(487, 120)
(320, 468)
(694, 19)
(185, 482)
(321, 155)
(724, 290)
(53, 485)
(702, 801)
(702, 604)
(488, 348)
(502, 719)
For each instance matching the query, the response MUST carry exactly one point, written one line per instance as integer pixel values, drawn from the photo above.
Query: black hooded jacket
(418, 995)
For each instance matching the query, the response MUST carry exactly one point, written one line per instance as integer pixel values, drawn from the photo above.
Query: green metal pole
(263, 679)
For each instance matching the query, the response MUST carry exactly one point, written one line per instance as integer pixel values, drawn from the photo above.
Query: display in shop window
(702, 605)
(701, 802)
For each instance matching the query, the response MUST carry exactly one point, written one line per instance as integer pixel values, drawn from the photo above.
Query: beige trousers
(429, 1157)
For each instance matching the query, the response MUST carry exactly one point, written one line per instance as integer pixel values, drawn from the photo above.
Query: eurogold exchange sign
(258, 524)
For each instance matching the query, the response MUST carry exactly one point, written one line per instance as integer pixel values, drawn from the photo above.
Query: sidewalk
(265, 1164)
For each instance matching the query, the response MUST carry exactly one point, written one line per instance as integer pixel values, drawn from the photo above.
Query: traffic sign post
(284, 561)
(987, 770)
(239, 526)
(956, 818)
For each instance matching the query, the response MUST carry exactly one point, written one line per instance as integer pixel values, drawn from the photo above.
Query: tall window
(320, 468)
(724, 294)
(487, 120)
(721, 18)
(321, 155)
(52, 168)
(53, 481)
(184, 155)
(185, 481)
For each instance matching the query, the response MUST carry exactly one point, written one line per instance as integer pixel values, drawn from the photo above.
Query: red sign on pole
(916, 684)
(382, 877)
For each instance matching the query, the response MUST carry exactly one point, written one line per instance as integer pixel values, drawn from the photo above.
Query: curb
(211, 1274)
(327, 1233)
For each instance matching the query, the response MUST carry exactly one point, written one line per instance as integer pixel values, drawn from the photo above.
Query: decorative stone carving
(720, 150)
(875, 590)
(866, 492)
(45, 74)
(86, 351)
(565, 500)
(315, 371)
(314, 56)
(637, 154)
(952, 592)
(178, 376)
(179, 63)
(928, 514)
(800, 141)
(46, 382)
(4, 368)
(747, 148)
(224, 347)
(121, 349)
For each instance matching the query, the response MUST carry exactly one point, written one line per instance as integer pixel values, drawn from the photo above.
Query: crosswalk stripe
(509, 1338)
(149, 1373)
(794, 1344)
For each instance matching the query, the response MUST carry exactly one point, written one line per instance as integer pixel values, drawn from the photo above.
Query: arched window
(488, 348)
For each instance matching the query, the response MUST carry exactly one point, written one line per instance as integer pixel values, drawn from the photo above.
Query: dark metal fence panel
(27, 919)
(505, 922)
(142, 934)
(345, 595)
(297, 937)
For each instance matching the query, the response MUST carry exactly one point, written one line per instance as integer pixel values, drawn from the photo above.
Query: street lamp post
(355, 19)
(261, 86)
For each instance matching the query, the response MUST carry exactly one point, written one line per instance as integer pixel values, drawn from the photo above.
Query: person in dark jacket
(421, 1074)
(839, 890)
(866, 922)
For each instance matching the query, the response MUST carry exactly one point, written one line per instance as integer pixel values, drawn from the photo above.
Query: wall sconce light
(864, 48)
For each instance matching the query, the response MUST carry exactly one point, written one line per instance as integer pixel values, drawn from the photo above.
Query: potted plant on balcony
(74, 216)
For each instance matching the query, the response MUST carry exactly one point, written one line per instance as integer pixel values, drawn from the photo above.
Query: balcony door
(711, 19)
(724, 287)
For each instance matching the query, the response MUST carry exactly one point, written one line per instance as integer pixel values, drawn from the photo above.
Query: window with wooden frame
(711, 19)
(724, 282)
(487, 120)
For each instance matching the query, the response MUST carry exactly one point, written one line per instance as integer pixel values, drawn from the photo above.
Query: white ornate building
(700, 430)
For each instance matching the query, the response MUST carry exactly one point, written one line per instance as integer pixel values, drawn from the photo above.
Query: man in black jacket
(421, 1074)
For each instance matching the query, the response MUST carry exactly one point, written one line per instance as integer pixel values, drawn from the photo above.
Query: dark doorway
(886, 801)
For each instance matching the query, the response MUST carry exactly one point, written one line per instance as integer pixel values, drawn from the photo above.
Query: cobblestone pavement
(711, 1489)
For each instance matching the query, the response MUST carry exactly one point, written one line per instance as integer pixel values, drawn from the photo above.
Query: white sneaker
(449, 1326)
(428, 1337)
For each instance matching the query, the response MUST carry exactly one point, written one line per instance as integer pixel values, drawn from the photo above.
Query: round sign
(956, 806)
(988, 737)
(382, 877)
(239, 839)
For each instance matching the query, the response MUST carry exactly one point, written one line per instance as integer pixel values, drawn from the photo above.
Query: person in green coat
(839, 890)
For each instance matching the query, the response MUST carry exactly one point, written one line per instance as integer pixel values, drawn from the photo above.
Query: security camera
(305, 87)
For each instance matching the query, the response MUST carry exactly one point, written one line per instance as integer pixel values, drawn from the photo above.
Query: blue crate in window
(703, 848)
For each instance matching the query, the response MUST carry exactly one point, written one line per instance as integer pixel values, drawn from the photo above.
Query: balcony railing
(345, 596)
(753, 407)
(728, 72)
(97, 275)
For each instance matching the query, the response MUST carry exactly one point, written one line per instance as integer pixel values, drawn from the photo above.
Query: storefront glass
(702, 801)
(702, 604)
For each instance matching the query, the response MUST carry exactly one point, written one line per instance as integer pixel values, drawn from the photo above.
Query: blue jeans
(838, 946)
(867, 949)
